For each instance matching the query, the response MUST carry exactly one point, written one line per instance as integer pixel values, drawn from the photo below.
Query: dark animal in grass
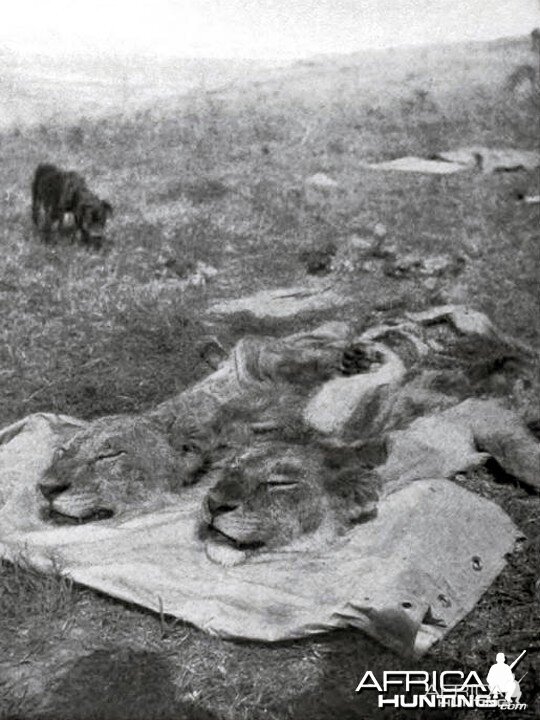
(57, 192)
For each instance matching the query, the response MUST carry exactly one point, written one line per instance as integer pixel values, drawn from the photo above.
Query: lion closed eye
(276, 494)
(116, 464)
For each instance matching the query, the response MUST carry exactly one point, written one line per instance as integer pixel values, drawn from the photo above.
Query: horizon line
(7, 48)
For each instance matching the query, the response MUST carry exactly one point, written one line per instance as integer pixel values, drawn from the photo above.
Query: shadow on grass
(119, 684)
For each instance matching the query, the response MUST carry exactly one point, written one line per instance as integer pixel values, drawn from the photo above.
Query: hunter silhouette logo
(501, 680)
(448, 688)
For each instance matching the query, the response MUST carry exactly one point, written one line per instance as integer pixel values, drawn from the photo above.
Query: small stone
(437, 265)
(369, 266)
(457, 294)
(473, 246)
(404, 266)
(321, 181)
(208, 271)
(379, 231)
(416, 265)
(385, 252)
(361, 244)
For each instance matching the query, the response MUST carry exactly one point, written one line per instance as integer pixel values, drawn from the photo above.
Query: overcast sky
(281, 29)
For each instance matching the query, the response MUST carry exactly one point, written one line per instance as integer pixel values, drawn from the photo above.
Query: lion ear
(368, 453)
(357, 489)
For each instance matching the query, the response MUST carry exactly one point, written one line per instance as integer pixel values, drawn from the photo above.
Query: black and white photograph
(270, 360)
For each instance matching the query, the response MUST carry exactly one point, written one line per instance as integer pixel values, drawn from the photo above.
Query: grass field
(218, 177)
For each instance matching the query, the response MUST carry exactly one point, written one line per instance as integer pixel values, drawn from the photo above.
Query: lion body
(273, 479)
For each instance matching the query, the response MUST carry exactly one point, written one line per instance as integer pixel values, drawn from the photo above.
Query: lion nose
(49, 490)
(218, 506)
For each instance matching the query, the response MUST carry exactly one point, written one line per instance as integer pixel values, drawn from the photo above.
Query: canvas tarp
(284, 302)
(420, 165)
(406, 577)
(493, 159)
(455, 161)
(417, 560)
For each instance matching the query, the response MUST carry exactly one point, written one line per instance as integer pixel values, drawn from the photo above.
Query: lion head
(114, 464)
(91, 215)
(278, 493)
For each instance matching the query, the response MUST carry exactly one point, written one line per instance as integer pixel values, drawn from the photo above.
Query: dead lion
(115, 464)
(277, 494)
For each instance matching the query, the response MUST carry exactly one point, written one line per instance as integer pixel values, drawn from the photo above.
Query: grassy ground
(219, 178)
